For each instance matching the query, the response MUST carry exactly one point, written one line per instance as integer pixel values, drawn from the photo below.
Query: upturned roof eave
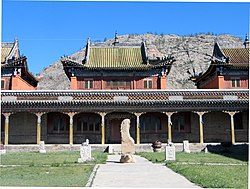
(21, 63)
(160, 64)
(210, 70)
(94, 105)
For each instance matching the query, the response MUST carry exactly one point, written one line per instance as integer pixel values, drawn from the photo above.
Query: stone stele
(127, 143)
(85, 152)
(42, 147)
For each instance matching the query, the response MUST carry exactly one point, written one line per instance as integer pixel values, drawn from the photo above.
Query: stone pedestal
(186, 146)
(127, 158)
(127, 143)
(85, 152)
(170, 152)
(42, 147)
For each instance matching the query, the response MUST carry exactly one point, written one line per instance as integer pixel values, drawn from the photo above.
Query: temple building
(113, 83)
(14, 69)
(118, 67)
(229, 69)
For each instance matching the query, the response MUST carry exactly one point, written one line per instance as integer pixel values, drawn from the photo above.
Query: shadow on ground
(239, 152)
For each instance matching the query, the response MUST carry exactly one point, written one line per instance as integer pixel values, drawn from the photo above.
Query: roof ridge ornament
(87, 52)
(116, 41)
(144, 53)
(14, 53)
(246, 42)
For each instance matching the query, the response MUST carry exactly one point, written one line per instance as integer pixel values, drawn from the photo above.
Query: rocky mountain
(191, 53)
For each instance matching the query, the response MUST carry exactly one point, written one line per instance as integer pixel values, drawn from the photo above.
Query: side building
(14, 69)
(229, 69)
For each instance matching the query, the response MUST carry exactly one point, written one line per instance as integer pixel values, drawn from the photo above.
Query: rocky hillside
(191, 53)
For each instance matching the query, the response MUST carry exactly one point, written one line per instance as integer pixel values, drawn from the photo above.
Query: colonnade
(103, 114)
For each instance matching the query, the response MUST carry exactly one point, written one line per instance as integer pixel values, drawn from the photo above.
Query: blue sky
(47, 30)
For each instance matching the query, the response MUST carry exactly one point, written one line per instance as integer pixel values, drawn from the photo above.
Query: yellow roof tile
(237, 55)
(115, 57)
(5, 51)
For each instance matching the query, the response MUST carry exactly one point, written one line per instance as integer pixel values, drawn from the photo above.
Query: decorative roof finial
(246, 42)
(116, 39)
(87, 51)
(88, 40)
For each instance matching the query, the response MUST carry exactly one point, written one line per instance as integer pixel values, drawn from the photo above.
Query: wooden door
(115, 135)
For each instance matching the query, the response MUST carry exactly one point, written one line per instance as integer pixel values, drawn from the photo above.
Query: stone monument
(170, 152)
(186, 146)
(42, 147)
(85, 152)
(127, 143)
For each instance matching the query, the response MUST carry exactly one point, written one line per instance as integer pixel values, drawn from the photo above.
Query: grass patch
(50, 169)
(45, 176)
(208, 176)
(214, 176)
(36, 159)
(155, 157)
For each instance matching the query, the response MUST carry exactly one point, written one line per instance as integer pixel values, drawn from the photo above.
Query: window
(122, 83)
(238, 121)
(148, 84)
(88, 123)
(128, 83)
(145, 84)
(88, 84)
(151, 124)
(118, 84)
(108, 83)
(235, 82)
(85, 124)
(179, 124)
(59, 124)
(2, 123)
(79, 124)
(115, 83)
(158, 124)
(2, 84)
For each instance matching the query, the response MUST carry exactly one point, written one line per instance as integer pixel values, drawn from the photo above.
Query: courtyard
(224, 170)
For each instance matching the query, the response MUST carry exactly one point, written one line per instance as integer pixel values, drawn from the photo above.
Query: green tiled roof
(115, 57)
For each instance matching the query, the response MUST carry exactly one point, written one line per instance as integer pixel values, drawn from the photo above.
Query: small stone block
(3, 151)
(42, 147)
(110, 149)
(186, 146)
(42, 151)
(170, 152)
